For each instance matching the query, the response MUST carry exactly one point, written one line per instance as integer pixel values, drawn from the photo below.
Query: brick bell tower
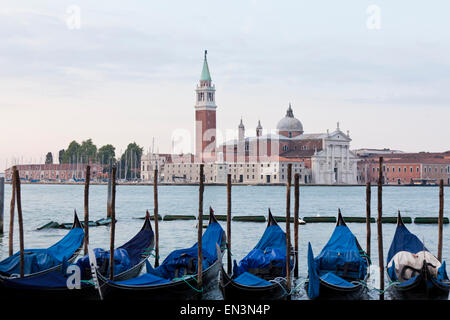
(205, 117)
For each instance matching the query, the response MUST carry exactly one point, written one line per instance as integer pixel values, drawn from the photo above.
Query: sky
(119, 72)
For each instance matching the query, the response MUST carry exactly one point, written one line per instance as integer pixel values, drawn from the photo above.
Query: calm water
(44, 203)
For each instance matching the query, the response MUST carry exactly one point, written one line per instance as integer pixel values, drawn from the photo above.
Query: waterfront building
(406, 168)
(65, 172)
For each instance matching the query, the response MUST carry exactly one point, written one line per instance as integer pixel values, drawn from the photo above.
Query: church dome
(289, 123)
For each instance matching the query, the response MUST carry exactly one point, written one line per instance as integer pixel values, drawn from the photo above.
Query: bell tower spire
(205, 116)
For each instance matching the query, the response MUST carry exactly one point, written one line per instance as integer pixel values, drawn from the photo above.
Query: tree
(49, 158)
(72, 153)
(60, 156)
(130, 161)
(88, 151)
(106, 154)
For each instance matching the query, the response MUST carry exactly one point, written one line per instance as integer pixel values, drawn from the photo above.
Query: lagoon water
(45, 203)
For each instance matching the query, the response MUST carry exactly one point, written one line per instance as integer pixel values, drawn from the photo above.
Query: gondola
(129, 260)
(340, 270)
(38, 262)
(261, 275)
(413, 272)
(176, 277)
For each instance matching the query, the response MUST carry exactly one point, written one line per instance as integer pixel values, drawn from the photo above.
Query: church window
(290, 134)
(285, 148)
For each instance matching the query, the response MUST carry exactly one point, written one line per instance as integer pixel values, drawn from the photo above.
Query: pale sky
(128, 70)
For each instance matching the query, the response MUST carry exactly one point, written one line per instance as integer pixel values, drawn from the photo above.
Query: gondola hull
(424, 285)
(86, 292)
(331, 292)
(179, 290)
(421, 289)
(51, 286)
(232, 290)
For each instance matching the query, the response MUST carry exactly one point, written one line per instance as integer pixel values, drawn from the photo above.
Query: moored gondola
(38, 262)
(413, 272)
(340, 270)
(261, 275)
(128, 258)
(176, 277)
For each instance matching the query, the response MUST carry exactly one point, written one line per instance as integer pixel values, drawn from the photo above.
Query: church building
(319, 158)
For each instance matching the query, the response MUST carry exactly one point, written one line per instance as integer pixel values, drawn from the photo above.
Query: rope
(149, 251)
(190, 276)
(378, 291)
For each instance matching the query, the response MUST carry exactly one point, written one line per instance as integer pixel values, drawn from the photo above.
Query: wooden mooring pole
(441, 218)
(11, 212)
(86, 208)
(288, 229)
(380, 227)
(20, 219)
(113, 222)
(229, 263)
(368, 205)
(155, 213)
(2, 202)
(200, 230)
(296, 210)
(108, 200)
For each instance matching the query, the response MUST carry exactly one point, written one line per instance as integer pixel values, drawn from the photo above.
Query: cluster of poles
(16, 200)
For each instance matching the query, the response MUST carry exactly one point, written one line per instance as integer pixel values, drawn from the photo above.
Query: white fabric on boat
(405, 258)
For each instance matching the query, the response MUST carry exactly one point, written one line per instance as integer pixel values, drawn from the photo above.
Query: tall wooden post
(368, 205)
(108, 201)
(86, 208)
(19, 216)
(380, 226)
(2, 202)
(441, 218)
(113, 222)
(229, 263)
(155, 212)
(296, 210)
(200, 230)
(288, 228)
(11, 211)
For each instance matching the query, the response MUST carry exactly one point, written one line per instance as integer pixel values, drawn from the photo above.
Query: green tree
(71, 155)
(49, 158)
(106, 154)
(60, 156)
(88, 151)
(130, 161)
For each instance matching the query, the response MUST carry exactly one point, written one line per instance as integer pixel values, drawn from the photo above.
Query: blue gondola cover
(36, 260)
(340, 258)
(404, 240)
(179, 259)
(269, 252)
(249, 279)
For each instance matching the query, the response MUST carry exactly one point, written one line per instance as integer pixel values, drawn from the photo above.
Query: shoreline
(221, 184)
